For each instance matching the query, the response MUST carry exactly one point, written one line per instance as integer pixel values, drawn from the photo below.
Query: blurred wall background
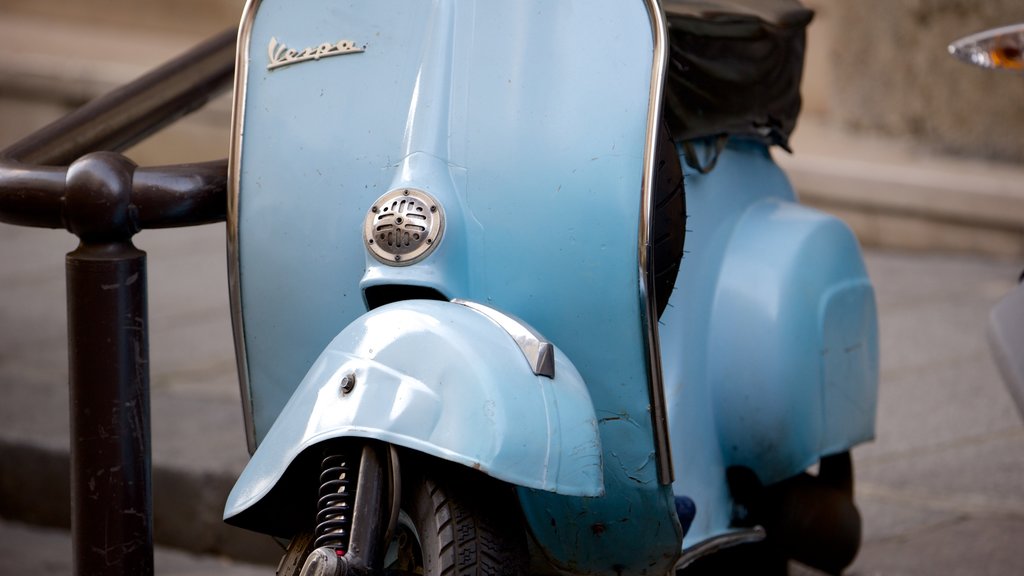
(55, 55)
(914, 149)
(881, 67)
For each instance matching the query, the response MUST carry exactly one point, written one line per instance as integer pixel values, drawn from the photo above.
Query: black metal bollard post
(111, 518)
(104, 200)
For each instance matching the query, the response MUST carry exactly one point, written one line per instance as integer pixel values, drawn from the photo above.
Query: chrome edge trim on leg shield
(234, 181)
(659, 413)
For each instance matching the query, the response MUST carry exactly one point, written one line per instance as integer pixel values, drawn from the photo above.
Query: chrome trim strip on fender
(539, 353)
(234, 178)
(659, 418)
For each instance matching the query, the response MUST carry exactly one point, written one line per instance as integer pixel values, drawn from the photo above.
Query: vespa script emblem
(281, 55)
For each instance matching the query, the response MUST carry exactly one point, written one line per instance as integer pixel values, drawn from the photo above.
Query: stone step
(894, 194)
(33, 550)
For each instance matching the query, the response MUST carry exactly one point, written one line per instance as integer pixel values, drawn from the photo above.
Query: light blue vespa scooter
(465, 338)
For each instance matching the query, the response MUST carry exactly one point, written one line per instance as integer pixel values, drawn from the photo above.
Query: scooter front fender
(441, 378)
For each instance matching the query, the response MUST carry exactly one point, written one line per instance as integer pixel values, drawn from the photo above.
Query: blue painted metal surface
(445, 380)
(492, 108)
(769, 344)
(795, 304)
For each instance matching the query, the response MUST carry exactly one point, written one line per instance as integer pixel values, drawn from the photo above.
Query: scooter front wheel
(454, 520)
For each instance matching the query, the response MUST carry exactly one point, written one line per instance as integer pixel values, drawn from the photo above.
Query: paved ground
(34, 550)
(942, 489)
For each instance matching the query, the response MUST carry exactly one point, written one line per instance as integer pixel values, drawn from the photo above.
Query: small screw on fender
(348, 383)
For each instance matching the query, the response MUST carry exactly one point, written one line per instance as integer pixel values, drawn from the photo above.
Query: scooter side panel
(795, 305)
(442, 379)
(776, 294)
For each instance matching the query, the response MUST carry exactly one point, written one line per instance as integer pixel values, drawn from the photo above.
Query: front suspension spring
(337, 494)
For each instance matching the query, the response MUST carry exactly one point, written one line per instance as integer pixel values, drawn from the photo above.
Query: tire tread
(474, 530)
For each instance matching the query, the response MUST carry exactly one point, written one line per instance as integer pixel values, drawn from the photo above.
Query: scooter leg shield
(440, 378)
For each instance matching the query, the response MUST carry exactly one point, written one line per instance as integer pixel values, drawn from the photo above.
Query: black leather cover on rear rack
(735, 67)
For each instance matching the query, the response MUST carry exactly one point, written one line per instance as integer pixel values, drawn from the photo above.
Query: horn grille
(403, 226)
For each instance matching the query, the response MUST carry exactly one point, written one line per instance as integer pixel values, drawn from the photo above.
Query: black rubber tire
(454, 521)
(465, 522)
(669, 219)
(812, 519)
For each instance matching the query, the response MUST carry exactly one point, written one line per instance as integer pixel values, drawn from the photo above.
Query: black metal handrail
(161, 197)
(104, 198)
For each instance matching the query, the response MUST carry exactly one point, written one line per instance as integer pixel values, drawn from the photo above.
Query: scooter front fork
(356, 510)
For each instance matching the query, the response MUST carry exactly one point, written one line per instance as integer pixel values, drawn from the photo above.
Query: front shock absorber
(353, 516)
(335, 505)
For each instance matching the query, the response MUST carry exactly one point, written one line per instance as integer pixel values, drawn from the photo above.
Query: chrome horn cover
(403, 226)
